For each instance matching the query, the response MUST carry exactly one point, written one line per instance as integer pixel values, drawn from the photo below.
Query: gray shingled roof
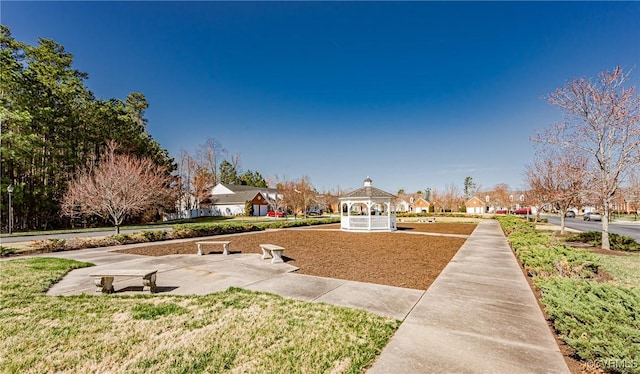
(236, 198)
(241, 188)
(369, 192)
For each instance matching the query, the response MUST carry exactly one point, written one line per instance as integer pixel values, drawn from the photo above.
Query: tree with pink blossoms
(119, 186)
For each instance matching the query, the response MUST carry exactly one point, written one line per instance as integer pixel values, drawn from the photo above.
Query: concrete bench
(104, 279)
(274, 252)
(428, 219)
(225, 246)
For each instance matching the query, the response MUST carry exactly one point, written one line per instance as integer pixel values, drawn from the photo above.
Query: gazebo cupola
(367, 209)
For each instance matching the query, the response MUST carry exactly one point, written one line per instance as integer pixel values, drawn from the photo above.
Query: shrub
(618, 242)
(511, 223)
(50, 245)
(124, 238)
(528, 237)
(155, 235)
(6, 251)
(559, 260)
(600, 321)
(179, 232)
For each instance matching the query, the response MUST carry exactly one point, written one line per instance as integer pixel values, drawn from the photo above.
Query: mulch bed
(394, 259)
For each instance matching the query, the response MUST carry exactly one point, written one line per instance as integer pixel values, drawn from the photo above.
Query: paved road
(86, 234)
(628, 229)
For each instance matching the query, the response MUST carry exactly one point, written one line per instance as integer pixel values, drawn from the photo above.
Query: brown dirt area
(398, 259)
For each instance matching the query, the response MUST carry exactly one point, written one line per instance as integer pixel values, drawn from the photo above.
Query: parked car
(522, 211)
(275, 213)
(570, 214)
(592, 216)
(314, 212)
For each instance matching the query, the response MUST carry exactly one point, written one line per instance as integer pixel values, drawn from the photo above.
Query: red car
(522, 211)
(274, 213)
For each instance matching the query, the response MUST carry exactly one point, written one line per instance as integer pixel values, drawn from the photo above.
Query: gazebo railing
(362, 222)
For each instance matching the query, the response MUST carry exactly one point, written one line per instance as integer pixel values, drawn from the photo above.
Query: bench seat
(272, 251)
(104, 279)
(225, 246)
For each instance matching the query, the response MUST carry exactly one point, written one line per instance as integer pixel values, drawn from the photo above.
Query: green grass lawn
(625, 270)
(231, 331)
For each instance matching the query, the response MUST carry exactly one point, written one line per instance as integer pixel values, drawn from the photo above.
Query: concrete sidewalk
(200, 275)
(479, 316)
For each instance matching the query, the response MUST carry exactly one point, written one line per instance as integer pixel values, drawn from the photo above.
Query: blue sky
(412, 94)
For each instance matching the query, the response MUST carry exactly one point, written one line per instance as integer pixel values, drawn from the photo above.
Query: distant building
(230, 199)
(420, 205)
(476, 206)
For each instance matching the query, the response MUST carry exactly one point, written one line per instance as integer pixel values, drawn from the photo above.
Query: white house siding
(229, 210)
(402, 206)
(475, 210)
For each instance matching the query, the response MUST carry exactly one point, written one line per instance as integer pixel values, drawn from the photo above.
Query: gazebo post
(388, 203)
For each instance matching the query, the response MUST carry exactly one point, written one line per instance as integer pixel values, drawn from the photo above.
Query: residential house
(420, 205)
(230, 199)
(401, 205)
(475, 206)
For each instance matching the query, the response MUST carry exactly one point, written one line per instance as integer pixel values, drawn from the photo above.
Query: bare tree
(201, 183)
(209, 155)
(500, 196)
(186, 172)
(557, 177)
(235, 162)
(438, 200)
(297, 194)
(277, 201)
(120, 186)
(602, 121)
(306, 193)
(535, 199)
(452, 198)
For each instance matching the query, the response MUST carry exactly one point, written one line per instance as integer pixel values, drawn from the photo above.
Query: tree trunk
(605, 230)
(562, 222)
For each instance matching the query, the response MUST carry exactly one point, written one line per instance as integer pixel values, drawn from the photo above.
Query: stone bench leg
(104, 284)
(225, 251)
(149, 281)
(265, 254)
(199, 250)
(277, 256)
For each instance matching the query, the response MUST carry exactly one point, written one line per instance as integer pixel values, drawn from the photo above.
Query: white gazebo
(367, 209)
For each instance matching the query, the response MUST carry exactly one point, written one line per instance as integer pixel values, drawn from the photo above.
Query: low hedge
(599, 321)
(182, 231)
(440, 214)
(540, 260)
(618, 242)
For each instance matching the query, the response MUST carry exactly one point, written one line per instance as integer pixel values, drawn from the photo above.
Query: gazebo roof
(368, 192)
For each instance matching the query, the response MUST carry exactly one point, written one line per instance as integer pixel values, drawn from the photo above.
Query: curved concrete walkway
(479, 316)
